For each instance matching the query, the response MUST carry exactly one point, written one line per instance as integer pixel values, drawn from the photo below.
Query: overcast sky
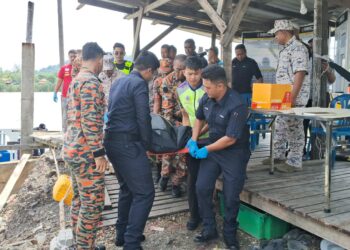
(89, 24)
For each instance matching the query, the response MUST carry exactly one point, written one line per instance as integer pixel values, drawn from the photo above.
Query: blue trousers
(232, 163)
(136, 193)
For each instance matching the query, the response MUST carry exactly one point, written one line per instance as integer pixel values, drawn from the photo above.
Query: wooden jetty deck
(164, 203)
(297, 198)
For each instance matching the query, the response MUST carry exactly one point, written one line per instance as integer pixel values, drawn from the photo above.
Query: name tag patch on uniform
(221, 116)
(206, 108)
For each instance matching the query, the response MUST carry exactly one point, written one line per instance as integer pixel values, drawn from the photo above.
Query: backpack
(167, 138)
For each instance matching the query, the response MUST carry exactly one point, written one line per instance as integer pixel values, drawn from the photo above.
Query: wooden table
(328, 118)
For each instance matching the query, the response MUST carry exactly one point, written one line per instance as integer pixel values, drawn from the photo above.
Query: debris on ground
(31, 221)
(30, 218)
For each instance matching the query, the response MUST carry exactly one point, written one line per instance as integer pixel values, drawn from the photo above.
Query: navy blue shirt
(242, 74)
(128, 108)
(227, 117)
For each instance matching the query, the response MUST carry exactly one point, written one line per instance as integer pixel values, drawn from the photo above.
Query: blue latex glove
(192, 147)
(202, 153)
(55, 98)
(105, 118)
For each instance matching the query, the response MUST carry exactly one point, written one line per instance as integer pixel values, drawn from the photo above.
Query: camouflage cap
(282, 25)
(108, 62)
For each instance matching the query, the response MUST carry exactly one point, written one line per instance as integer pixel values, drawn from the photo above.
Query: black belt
(111, 136)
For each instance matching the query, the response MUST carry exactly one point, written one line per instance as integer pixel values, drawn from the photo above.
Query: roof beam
(160, 37)
(135, 3)
(200, 16)
(340, 3)
(166, 19)
(147, 8)
(187, 12)
(235, 20)
(80, 6)
(213, 15)
(137, 31)
(172, 20)
(287, 13)
(184, 11)
(220, 6)
(107, 5)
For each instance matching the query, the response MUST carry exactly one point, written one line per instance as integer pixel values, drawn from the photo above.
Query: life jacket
(127, 67)
(189, 99)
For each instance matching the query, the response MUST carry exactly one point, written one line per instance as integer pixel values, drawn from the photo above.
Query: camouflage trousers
(87, 204)
(64, 107)
(174, 166)
(291, 131)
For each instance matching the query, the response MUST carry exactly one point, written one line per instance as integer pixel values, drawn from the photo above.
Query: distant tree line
(44, 79)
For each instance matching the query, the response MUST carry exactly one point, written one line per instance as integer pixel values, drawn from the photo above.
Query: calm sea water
(45, 111)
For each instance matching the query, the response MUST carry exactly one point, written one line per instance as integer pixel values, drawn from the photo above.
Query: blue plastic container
(5, 156)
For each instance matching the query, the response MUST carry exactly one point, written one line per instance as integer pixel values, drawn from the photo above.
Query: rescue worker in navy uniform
(127, 138)
(228, 152)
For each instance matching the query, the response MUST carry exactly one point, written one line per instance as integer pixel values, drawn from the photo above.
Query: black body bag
(167, 138)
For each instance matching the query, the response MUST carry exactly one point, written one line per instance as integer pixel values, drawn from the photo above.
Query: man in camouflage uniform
(165, 104)
(292, 68)
(83, 151)
(109, 75)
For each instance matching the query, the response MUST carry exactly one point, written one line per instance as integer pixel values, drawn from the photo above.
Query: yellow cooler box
(271, 96)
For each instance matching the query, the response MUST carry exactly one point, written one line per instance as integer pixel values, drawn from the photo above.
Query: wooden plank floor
(164, 203)
(298, 198)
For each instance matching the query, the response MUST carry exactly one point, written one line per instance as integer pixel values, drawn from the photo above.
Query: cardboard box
(271, 96)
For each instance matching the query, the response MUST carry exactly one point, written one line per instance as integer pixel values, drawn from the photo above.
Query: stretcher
(181, 151)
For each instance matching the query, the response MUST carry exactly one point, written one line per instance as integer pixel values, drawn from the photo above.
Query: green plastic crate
(257, 223)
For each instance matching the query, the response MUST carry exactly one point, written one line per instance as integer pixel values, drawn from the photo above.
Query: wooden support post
(80, 6)
(320, 47)
(227, 49)
(235, 20)
(27, 84)
(30, 22)
(137, 30)
(220, 6)
(213, 15)
(147, 8)
(160, 37)
(13, 180)
(27, 96)
(213, 38)
(60, 32)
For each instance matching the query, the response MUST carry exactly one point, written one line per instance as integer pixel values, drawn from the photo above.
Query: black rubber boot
(163, 183)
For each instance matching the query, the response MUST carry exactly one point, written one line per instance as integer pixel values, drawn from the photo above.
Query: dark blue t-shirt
(227, 117)
(242, 74)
